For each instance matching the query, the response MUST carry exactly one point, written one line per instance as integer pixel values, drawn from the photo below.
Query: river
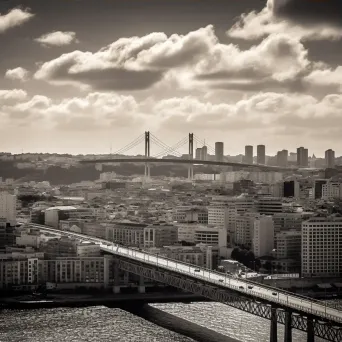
(115, 325)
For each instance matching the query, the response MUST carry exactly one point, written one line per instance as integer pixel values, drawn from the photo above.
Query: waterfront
(103, 324)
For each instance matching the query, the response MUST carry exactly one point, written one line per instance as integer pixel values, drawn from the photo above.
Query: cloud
(19, 73)
(192, 61)
(94, 111)
(134, 63)
(57, 38)
(15, 95)
(273, 112)
(304, 19)
(313, 12)
(15, 17)
(278, 62)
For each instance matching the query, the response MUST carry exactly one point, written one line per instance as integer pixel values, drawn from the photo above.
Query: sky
(86, 76)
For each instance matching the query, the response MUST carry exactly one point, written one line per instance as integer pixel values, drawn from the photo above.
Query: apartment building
(8, 207)
(322, 247)
(32, 271)
(263, 236)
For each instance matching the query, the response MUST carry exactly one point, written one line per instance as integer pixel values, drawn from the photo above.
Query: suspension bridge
(171, 155)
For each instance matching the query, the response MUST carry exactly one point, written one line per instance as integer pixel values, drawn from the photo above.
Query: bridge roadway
(185, 161)
(260, 292)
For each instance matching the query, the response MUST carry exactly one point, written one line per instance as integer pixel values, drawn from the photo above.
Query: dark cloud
(310, 11)
(118, 79)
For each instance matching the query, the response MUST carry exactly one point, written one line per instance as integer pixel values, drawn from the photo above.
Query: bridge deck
(186, 161)
(258, 291)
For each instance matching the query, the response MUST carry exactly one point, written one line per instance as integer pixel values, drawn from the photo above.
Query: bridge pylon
(147, 155)
(191, 156)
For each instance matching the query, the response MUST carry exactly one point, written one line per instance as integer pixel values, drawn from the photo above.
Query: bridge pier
(116, 285)
(310, 330)
(147, 155)
(191, 157)
(274, 325)
(141, 287)
(288, 327)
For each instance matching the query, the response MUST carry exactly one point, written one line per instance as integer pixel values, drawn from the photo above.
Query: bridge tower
(191, 156)
(147, 155)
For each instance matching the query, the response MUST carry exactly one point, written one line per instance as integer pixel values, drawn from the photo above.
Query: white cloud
(256, 25)
(191, 61)
(15, 17)
(19, 73)
(326, 77)
(12, 95)
(271, 111)
(57, 38)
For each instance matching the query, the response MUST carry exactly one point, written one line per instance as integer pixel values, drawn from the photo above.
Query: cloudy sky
(79, 76)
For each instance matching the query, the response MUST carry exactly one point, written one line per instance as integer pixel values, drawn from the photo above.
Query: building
(322, 247)
(331, 190)
(248, 154)
(261, 154)
(219, 151)
(204, 153)
(287, 221)
(302, 157)
(330, 158)
(282, 158)
(30, 271)
(199, 255)
(269, 205)
(318, 188)
(207, 236)
(244, 225)
(8, 208)
(126, 233)
(288, 245)
(291, 189)
(198, 153)
(263, 236)
(160, 235)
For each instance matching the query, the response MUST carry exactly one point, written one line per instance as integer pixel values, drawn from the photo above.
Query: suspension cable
(129, 146)
(162, 144)
(163, 148)
(173, 148)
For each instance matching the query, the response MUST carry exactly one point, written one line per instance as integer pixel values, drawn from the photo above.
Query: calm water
(104, 324)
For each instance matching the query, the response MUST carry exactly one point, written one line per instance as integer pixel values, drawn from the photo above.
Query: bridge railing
(321, 307)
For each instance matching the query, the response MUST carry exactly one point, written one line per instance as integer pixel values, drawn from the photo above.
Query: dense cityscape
(262, 224)
(170, 171)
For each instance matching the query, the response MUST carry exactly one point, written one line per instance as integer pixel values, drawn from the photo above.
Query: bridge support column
(116, 286)
(141, 287)
(191, 156)
(310, 330)
(274, 325)
(288, 327)
(147, 155)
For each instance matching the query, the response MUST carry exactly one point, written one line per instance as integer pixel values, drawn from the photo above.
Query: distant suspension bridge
(171, 155)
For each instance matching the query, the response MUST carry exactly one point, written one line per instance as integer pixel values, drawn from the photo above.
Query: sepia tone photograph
(171, 170)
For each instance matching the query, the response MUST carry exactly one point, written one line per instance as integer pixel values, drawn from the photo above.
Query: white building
(322, 247)
(207, 235)
(244, 228)
(263, 236)
(30, 271)
(8, 207)
(331, 190)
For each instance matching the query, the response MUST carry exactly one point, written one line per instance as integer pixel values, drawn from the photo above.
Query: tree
(235, 253)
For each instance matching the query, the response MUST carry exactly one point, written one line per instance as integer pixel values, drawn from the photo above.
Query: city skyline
(79, 77)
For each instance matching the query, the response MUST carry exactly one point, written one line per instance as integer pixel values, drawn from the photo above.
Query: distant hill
(57, 175)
